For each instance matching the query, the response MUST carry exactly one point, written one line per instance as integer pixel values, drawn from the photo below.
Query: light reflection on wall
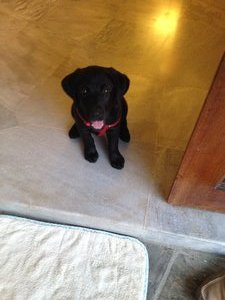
(166, 23)
(165, 28)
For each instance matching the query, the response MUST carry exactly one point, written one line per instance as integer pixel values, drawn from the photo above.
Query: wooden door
(200, 181)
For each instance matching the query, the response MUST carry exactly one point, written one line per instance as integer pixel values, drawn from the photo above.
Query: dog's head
(97, 92)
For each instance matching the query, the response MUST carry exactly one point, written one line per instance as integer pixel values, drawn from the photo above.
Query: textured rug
(41, 260)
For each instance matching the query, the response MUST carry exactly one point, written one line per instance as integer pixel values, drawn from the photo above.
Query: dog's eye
(106, 91)
(84, 92)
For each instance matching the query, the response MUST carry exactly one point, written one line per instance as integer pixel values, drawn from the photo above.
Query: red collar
(104, 128)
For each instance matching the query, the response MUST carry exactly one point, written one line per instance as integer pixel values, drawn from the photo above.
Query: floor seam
(146, 212)
(165, 276)
(41, 126)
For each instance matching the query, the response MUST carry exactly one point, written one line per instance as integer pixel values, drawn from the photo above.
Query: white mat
(48, 261)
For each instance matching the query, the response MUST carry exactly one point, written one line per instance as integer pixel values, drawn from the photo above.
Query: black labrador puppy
(99, 107)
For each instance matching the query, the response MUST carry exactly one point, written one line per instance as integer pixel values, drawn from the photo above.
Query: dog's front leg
(90, 152)
(116, 159)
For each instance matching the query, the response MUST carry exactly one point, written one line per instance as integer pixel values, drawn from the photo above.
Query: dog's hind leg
(74, 133)
(124, 131)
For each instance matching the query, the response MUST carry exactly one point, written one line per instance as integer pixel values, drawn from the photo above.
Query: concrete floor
(170, 50)
(178, 274)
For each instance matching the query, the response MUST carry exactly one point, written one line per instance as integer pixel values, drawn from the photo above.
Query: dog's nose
(98, 113)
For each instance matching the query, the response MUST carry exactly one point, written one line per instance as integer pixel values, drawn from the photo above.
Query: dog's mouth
(97, 124)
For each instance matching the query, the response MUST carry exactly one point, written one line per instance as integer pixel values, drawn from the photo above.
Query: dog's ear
(70, 83)
(121, 81)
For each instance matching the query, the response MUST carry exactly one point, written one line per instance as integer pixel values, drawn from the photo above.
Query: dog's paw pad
(91, 156)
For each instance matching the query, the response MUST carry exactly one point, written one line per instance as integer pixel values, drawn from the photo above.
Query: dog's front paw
(91, 155)
(117, 160)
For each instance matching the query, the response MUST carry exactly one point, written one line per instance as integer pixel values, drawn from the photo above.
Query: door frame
(199, 181)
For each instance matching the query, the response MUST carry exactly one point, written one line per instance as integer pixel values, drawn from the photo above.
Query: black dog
(99, 107)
